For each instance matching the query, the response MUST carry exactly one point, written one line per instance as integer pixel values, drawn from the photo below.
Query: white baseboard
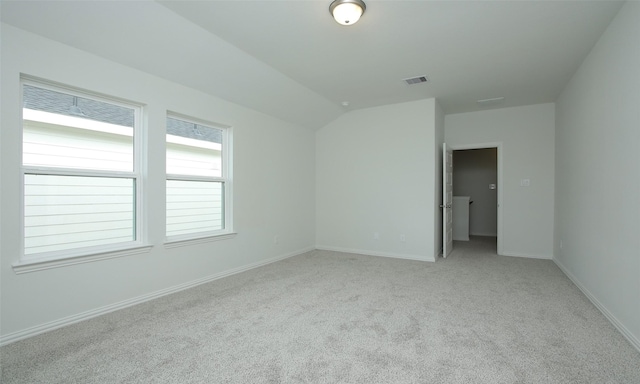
(375, 253)
(612, 319)
(42, 328)
(526, 255)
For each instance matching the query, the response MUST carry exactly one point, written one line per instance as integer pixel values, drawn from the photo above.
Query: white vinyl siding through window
(193, 207)
(197, 179)
(80, 175)
(63, 212)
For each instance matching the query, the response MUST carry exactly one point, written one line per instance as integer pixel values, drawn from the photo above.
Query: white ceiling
(291, 60)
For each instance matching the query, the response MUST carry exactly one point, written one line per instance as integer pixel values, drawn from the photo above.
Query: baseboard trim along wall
(50, 326)
(526, 255)
(375, 253)
(612, 319)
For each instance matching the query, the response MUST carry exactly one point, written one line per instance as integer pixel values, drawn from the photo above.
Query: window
(81, 173)
(198, 182)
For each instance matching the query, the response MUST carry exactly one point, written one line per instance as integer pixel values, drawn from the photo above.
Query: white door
(447, 200)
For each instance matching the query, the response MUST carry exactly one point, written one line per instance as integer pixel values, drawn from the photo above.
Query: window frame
(52, 259)
(225, 179)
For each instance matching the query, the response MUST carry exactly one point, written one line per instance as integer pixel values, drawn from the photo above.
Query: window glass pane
(67, 131)
(193, 149)
(65, 104)
(68, 212)
(194, 206)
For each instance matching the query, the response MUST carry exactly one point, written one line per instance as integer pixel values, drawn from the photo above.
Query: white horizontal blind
(80, 184)
(195, 179)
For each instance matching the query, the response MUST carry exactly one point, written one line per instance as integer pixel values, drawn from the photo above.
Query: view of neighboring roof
(193, 131)
(65, 104)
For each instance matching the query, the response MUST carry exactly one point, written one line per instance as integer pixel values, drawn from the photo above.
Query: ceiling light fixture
(347, 12)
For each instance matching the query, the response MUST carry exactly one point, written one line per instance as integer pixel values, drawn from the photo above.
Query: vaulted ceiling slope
(290, 59)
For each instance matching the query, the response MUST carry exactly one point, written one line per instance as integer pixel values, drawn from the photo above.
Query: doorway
(477, 174)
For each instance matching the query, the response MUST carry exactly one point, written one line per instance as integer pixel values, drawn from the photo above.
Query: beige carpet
(328, 317)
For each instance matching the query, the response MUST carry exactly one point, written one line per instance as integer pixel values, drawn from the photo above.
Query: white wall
(273, 190)
(598, 174)
(375, 174)
(473, 171)
(526, 135)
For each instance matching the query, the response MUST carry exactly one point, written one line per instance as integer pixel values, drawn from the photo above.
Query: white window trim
(199, 239)
(227, 182)
(39, 264)
(55, 259)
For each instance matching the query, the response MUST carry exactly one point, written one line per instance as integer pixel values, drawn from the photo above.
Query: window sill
(198, 240)
(26, 266)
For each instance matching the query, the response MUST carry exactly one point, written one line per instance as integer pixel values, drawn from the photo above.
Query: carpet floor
(330, 317)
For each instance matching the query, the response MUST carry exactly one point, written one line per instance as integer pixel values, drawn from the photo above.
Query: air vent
(416, 80)
(490, 102)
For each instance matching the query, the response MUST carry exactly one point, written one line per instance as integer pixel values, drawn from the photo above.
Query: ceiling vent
(490, 102)
(416, 80)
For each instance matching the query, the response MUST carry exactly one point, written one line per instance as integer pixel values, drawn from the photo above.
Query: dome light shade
(347, 12)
